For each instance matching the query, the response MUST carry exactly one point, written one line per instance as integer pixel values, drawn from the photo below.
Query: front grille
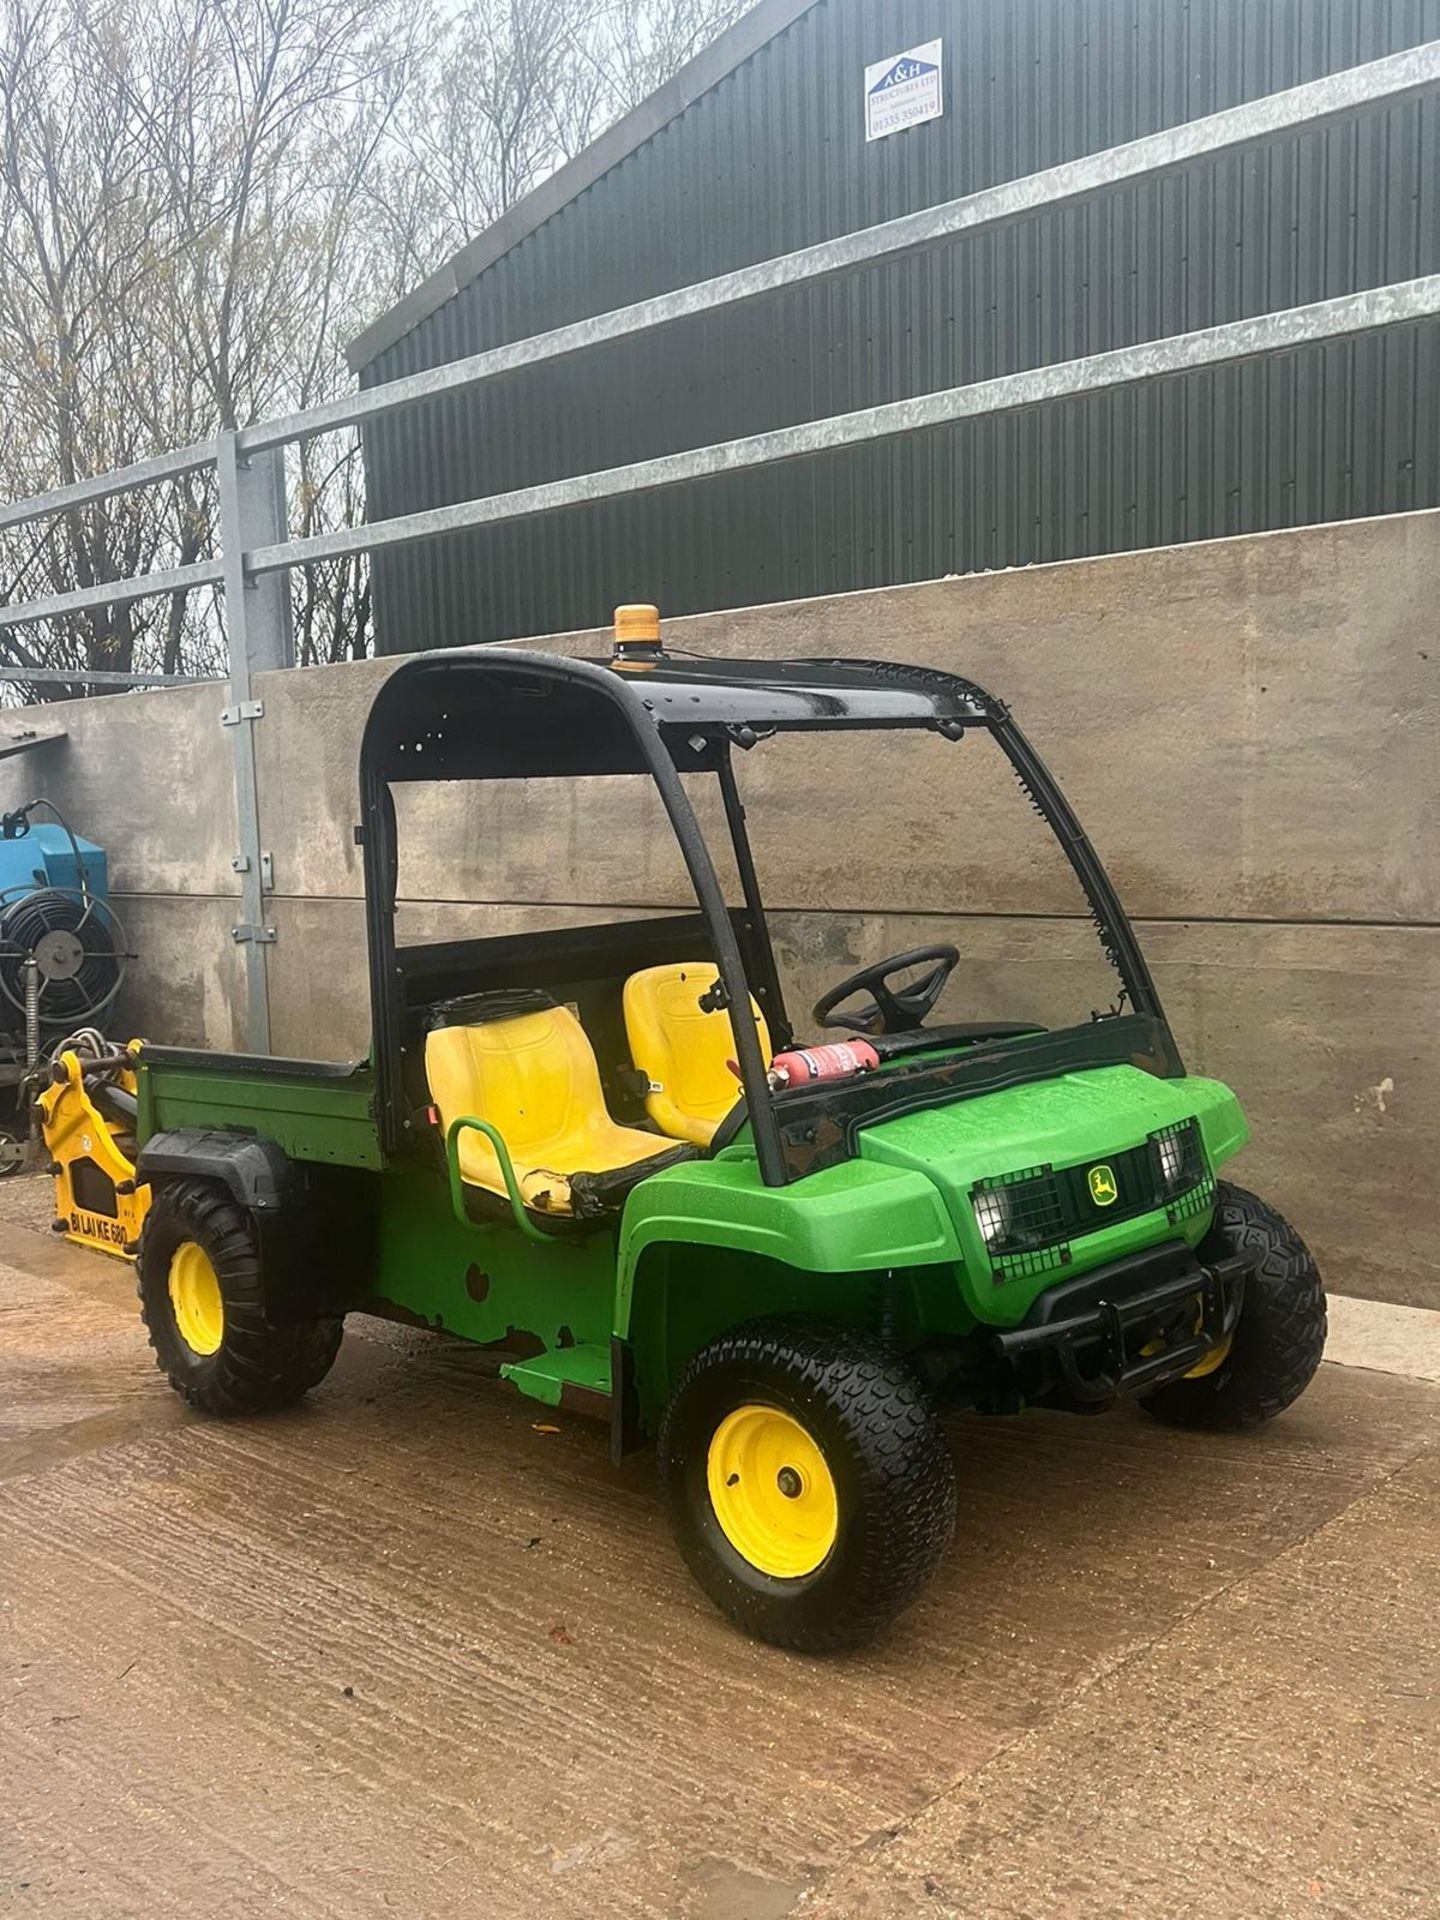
(1029, 1218)
(1199, 1200)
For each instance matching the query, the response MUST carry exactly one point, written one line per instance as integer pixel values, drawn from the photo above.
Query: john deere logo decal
(1103, 1190)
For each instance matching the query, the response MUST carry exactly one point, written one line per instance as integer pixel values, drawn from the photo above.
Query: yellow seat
(682, 1051)
(533, 1076)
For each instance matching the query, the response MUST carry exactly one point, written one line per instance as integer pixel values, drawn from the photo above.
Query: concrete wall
(1250, 730)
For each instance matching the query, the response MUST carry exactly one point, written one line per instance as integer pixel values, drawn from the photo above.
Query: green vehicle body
(706, 1244)
(604, 1319)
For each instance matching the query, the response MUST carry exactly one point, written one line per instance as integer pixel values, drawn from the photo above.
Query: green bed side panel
(312, 1119)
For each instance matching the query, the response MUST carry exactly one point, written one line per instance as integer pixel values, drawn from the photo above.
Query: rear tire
(198, 1277)
(785, 1410)
(1280, 1337)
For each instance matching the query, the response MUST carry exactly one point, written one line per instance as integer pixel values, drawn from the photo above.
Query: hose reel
(63, 955)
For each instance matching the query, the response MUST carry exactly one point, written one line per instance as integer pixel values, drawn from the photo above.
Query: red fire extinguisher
(841, 1060)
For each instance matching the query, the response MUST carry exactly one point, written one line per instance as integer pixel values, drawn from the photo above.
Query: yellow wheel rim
(772, 1492)
(195, 1299)
(1216, 1357)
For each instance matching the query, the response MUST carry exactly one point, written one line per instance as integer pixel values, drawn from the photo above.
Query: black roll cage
(484, 713)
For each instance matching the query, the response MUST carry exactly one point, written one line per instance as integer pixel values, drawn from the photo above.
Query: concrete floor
(401, 1651)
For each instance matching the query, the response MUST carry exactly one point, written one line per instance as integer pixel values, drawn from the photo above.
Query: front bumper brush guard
(1101, 1334)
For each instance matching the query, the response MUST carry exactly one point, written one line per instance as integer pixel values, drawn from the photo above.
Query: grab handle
(468, 1123)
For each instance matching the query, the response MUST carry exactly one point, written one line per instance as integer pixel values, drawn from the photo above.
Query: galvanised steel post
(261, 637)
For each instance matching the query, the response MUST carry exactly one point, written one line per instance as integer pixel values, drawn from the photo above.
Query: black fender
(256, 1173)
(307, 1271)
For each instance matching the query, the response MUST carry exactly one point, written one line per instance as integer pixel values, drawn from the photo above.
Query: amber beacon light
(637, 637)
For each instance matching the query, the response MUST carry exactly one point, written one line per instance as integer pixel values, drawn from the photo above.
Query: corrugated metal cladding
(773, 158)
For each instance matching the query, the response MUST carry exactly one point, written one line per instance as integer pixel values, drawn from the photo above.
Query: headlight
(1172, 1159)
(992, 1214)
(1179, 1158)
(1021, 1218)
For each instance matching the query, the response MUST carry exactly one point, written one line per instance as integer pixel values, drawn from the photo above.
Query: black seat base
(594, 1196)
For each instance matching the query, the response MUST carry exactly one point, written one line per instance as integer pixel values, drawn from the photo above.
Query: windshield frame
(663, 744)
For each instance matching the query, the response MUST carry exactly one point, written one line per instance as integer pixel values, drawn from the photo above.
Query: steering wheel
(893, 1009)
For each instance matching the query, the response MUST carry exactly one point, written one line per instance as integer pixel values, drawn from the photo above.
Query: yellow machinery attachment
(87, 1115)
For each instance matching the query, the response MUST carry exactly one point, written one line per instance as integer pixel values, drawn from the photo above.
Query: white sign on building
(904, 90)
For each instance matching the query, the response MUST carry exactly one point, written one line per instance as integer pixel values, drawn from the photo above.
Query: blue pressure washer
(63, 950)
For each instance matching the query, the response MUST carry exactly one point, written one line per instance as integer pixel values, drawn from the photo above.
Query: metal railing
(255, 552)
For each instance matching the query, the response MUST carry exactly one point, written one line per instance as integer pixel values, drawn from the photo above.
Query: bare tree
(177, 187)
(513, 89)
(285, 106)
(646, 44)
(77, 236)
(200, 201)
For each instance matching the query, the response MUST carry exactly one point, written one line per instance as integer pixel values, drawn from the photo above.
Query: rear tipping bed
(315, 1110)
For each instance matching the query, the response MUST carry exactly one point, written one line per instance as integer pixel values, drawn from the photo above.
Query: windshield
(868, 845)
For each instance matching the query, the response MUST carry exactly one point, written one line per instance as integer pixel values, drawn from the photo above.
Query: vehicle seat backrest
(533, 1076)
(684, 1052)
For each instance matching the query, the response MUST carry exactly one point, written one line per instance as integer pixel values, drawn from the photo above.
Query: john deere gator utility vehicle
(606, 1154)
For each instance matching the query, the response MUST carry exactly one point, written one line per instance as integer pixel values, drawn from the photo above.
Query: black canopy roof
(493, 713)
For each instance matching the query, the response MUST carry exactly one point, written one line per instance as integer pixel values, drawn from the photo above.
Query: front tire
(1280, 1337)
(809, 1486)
(198, 1276)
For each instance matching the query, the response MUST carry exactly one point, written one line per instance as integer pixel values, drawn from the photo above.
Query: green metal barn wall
(773, 158)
